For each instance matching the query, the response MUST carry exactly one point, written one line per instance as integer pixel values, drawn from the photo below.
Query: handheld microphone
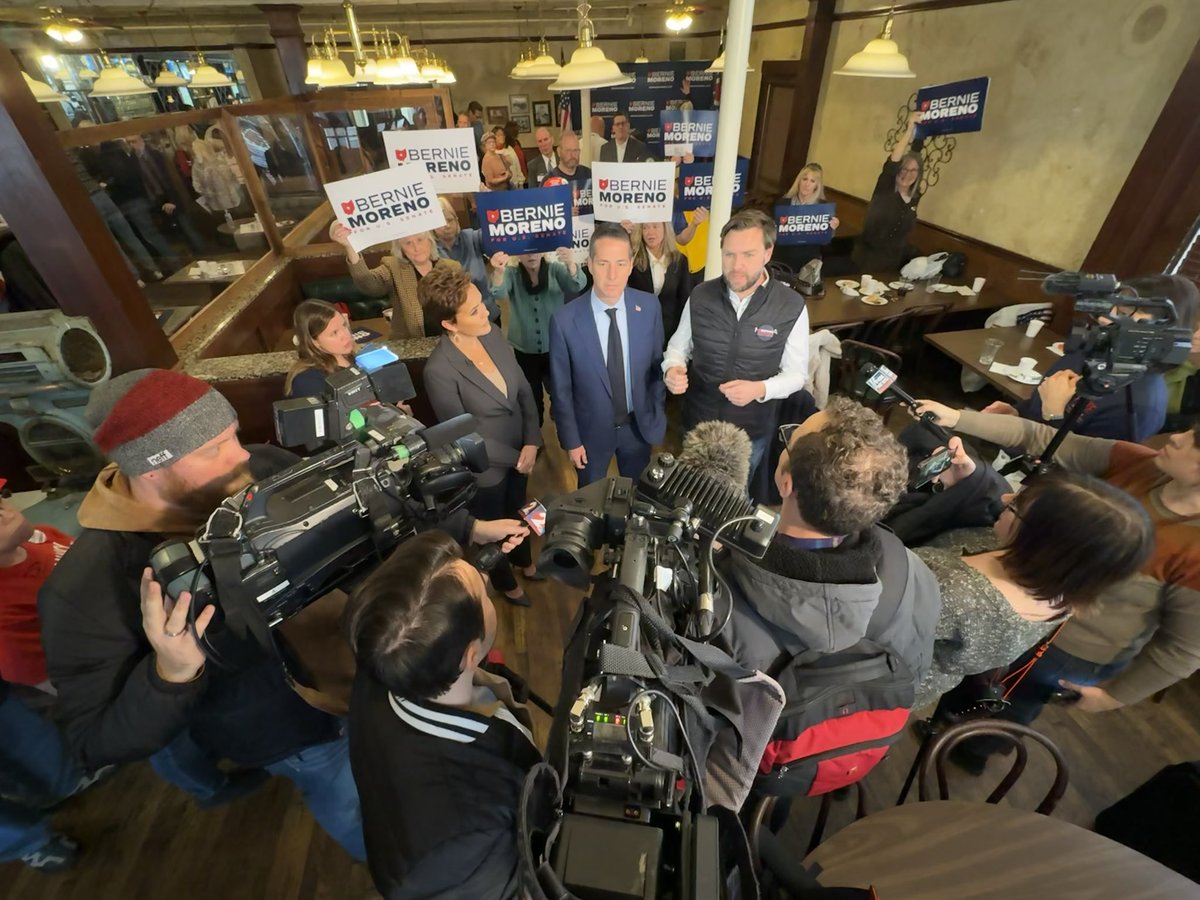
(882, 380)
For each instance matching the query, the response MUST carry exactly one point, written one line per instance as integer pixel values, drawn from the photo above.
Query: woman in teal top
(535, 288)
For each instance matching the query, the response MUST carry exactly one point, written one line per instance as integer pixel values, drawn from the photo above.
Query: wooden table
(965, 347)
(835, 308)
(956, 850)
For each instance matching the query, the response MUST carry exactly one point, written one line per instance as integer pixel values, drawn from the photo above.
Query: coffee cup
(865, 285)
(1034, 327)
(1028, 364)
(977, 284)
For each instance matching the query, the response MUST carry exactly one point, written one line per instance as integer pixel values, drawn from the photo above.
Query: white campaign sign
(449, 155)
(386, 205)
(637, 192)
(583, 228)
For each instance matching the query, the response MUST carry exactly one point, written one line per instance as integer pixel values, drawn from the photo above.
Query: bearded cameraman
(130, 681)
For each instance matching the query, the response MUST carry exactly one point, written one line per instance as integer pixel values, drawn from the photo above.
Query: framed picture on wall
(542, 113)
(497, 115)
(524, 125)
(518, 104)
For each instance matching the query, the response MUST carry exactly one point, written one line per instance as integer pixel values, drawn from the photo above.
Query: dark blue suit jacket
(583, 408)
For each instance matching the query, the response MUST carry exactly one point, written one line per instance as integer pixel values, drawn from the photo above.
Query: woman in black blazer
(473, 370)
(660, 269)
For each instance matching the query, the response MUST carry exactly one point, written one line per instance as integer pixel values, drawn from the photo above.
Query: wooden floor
(145, 839)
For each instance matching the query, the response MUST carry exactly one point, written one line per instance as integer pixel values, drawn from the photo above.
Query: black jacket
(677, 287)
(439, 787)
(111, 702)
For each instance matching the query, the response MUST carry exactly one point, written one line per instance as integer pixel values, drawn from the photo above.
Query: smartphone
(930, 468)
(534, 514)
(1064, 695)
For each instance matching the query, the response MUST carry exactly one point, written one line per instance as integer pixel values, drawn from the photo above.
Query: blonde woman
(660, 268)
(396, 276)
(806, 190)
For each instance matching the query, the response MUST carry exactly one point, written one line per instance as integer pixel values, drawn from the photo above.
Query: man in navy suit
(606, 366)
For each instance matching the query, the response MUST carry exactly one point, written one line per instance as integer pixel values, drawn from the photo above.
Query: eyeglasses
(785, 434)
(1011, 507)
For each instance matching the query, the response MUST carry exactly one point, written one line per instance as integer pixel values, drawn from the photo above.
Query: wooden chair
(850, 380)
(1011, 732)
(758, 825)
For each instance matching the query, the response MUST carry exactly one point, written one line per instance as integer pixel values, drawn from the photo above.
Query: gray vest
(725, 348)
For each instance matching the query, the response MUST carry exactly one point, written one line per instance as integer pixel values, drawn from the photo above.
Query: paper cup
(866, 284)
(1028, 363)
(1034, 327)
(977, 284)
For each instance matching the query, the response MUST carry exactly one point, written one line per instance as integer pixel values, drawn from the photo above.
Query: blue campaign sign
(804, 224)
(531, 221)
(952, 108)
(691, 131)
(696, 184)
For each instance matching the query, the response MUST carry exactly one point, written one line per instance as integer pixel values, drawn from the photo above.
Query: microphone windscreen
(721, 450)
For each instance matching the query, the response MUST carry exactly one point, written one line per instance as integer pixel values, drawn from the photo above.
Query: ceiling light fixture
(61, 29)
(114, 81)
(679, 17)
(881, 58)
(206, 76)
(165, 77)
(41, 91)
(589, 67)
(398, 67)
(543, 67)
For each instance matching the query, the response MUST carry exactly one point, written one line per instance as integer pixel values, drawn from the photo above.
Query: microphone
(720, 450)
(882, 380)
(1080, 283)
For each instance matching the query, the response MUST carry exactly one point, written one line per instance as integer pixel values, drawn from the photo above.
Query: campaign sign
(529, 221)
(584, 226)
(687, 131)
(581, 193)
(448, 154)
(637, 192)
(386, 205)
(804, 224)
(696, 183)
(952, 108)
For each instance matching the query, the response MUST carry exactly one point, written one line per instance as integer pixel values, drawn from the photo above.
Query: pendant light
(543, 67)
(642, 57)
(41, 91)
(87, 72)
(589, 67)
(165, 78)
(430, 70)
(333, 70)
(397, 67)
(881, 58)
(448, 76)
(315, 69)
(528, 55)
(205, 76)
(114, 81)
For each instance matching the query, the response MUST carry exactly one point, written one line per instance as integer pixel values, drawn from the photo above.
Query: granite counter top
(271, 365)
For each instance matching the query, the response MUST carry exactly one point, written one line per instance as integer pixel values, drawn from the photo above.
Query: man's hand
(526, 460)
(676, 379)
(739, 393)
(168, 208)
(942, 414)
(1091, 697)
(177, 654)
(578, 457)
(961, 465)
(508, 532)
(1056, 392)
(1000, 408)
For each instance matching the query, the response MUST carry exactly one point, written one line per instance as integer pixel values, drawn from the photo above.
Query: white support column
(585, 127)
(729, 126)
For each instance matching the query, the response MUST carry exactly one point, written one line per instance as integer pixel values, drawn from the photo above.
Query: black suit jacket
(506, 423)
(635, 151)
(538, 170)
(677, 287)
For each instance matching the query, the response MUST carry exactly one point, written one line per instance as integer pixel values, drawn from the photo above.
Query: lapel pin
(637, 309)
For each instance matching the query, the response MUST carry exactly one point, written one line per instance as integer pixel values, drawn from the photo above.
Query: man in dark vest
(745, 336)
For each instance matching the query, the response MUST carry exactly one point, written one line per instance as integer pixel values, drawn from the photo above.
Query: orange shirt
(21, 658)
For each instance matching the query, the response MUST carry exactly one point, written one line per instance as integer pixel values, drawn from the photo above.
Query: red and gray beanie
(149, 418)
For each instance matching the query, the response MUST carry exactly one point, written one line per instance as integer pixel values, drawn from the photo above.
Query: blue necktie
(616, 369)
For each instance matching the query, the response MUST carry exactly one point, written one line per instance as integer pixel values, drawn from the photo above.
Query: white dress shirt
(658, 270)
(621, 151)
(551, 162)
(793, 366)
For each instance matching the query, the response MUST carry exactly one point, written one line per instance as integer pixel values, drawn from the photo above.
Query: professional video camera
(313, 422)
(631, 818)
(275, 547)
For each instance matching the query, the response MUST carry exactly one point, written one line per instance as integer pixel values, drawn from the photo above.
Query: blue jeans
(323, 775)
(633, 455)
(35, 771)
(185, 764)
(758, 450)
(139, 212)
(126, 239)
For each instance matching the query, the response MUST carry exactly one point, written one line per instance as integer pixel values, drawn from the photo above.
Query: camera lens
(567, 553)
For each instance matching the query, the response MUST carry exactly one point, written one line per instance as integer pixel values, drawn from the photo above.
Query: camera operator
(830, 564)
(1143, 634)
(439, 747)
(129, 684)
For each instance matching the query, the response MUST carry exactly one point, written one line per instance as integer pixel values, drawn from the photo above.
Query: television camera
(622, 747)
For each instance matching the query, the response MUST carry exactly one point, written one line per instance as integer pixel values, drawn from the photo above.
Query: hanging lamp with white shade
(398, 67)
(543, 67)
(881, 58)
(41, 91)
(114, 81)
(718, 64)
(528, 55)
(205, 76)
(589, 67)
(448, 76)
(165, 77)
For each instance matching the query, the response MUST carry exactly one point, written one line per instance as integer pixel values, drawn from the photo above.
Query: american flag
(564, 110)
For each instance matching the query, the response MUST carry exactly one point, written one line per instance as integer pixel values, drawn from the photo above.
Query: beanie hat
(149, 418)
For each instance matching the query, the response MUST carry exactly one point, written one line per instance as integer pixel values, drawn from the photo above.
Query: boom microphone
(1080, 283)
(721, 450)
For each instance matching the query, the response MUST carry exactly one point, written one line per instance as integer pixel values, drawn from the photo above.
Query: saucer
(901, 285)
(847, 283)
(1025, 377)
(946, 288)
(850, 292)
(873, 300)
